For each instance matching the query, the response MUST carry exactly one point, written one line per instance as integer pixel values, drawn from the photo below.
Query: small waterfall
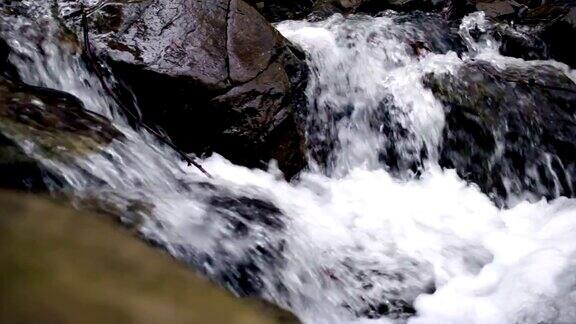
(350, 239)
(367, 101)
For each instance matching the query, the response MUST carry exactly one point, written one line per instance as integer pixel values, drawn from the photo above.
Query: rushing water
(350, 238)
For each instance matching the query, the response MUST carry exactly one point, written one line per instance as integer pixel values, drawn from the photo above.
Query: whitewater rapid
(355, 234)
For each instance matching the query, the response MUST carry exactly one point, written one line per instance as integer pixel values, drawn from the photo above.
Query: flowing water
(353, 238)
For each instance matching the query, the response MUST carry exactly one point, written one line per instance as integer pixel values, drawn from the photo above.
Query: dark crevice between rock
(227, 40)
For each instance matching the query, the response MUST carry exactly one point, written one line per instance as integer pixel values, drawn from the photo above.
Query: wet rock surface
(326, 8)
(279, 10)
(556, 34)
(538, 31)
(53, 120)
(55, 123)
(218, 78)
(528, 29)
(376, 6)
(245, 241)
(256, 228)
(393, 301)
(521, 43)
(510, 131)
(215, 75)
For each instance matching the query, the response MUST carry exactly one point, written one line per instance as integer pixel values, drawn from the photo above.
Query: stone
(252, 42)
(559, 36)
(375, 6)
(494, 9)
(280, 10)
(67, 265)
(189, 62)
(516, 42)
(54, 123)
(510, 131)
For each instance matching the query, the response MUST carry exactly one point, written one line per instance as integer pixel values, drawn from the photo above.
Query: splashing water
(348, 241)
(376, 86)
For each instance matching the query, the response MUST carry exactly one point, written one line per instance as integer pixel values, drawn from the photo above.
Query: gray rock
(279, 10)
(498, 8)
(190, 62)
(511, 131)
(559, 36)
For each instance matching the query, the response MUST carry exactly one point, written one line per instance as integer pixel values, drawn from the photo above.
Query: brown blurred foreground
(58, 265)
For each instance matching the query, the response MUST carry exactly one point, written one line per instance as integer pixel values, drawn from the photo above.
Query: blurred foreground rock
(60, 265)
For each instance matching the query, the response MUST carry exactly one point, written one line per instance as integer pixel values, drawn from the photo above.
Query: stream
(354, 238)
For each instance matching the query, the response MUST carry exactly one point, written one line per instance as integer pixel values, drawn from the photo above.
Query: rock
(557, 35)
(407, 280)
(53, 124)
(510, 131)
(256, 231)
(255, 122)
(244, 240)
(6, 69)
(496, 9)
(545, 12)
(430, 32)
(326, 8)
(279, 10)
(62, 265)
(518, 42)
(376, 6)
(56, 123)
(251, 43)
(18, 170)
(198, 68)
(539, 32)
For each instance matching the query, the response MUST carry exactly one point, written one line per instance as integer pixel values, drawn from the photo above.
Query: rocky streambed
(340, 136)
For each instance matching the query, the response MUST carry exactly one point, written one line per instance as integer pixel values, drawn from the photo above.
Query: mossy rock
(52, 124)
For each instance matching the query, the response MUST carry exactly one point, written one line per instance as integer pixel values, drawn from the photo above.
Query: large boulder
(61, 265)
(215, 75)
(511, 131)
